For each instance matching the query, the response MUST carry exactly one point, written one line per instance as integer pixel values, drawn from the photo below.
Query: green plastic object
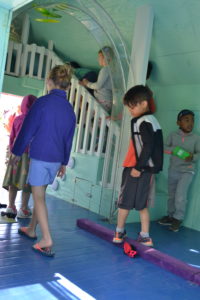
(180, 152)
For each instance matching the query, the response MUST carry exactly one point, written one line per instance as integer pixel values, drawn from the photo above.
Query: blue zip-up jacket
(48, 129)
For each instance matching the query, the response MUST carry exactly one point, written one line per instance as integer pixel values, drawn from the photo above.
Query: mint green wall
(176, 80)
(170, 100)
(22, 86)
(82, 183)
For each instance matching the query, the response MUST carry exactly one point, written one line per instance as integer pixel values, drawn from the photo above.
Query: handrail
(32, 60)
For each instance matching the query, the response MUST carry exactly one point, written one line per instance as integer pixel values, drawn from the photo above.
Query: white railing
(13, 59)
(31, 60)
(96, 134)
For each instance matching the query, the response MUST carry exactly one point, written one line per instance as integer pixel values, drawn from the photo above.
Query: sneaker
(119, 237)
(166, 220)
(11, 210)
(176, 224)
(24, 213)
(147, 241)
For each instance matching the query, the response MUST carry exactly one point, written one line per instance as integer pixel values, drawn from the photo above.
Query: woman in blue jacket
(48, 129)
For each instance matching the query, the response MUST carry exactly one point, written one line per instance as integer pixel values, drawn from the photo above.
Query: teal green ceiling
(175, 47)
(72, 41)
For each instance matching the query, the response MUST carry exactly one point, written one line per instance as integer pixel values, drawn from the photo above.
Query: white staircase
(96, 134)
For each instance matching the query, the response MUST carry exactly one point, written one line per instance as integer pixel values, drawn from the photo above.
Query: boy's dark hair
(137, 94)
(183, 113)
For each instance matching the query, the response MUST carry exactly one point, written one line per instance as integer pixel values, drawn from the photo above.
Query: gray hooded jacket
(189, 142)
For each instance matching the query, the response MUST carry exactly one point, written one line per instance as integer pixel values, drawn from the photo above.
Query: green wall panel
(96, 192)
(22, 86)
(106, 202)
(82, 187)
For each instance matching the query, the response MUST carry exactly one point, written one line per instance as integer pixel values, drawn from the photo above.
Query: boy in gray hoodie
(181, 169)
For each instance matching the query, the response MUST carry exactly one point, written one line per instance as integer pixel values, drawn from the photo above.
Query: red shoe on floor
(129, 250)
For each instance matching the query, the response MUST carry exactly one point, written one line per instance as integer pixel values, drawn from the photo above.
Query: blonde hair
(61, 76)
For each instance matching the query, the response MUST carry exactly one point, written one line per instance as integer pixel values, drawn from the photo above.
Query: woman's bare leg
(12, 195)
(25, 199)
(41, 215)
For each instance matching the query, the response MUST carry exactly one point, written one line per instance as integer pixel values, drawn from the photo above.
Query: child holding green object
(184, 147)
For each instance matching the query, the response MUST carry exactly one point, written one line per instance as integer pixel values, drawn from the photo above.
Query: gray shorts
(135, 191)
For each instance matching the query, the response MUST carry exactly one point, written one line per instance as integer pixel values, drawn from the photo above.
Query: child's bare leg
(41, 215)
(121, 221)
(122, 216)
(144, 234)
(31, 229)
(144, 218)
(12, 195)
(25, 199)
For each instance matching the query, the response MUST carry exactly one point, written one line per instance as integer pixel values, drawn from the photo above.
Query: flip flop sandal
(46, 251)
(129, 250)
(22, 231)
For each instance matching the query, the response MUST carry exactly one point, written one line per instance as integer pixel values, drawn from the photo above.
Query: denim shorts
(42, 172)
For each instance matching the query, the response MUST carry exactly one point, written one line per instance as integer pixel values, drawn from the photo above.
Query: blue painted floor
(86, 267)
